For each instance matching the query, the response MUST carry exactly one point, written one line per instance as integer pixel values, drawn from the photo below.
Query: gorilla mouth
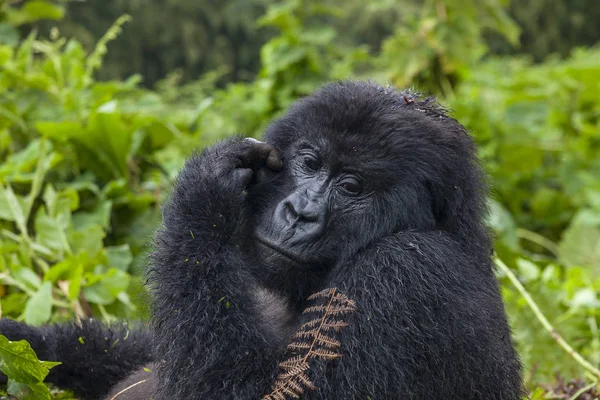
(277, 249)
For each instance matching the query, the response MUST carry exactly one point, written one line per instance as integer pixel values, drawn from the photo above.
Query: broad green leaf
(586, 297)
(89, 240)
(580, 245)
(5, 210)
(60, 131)
(70, 269)
(39, 307)
(38, 10)
(49, 233)
(62, 270)
(15, 205)
(108, 288)
(100, 216)
(12, 304)
(76, 281)
(319, 35)
(6, 54)
(27, 277)
(502, 222)
(8, 34)
(19, 362)
(32, 391)
(528, 271)
(25, 52)
(119, 257)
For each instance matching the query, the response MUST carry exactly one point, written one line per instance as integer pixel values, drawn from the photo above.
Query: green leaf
(39, 307)
(25, 53)
(32, 391)
(528, 270)
(38, 177)
(5, 210)
(502, 222)
(89, 240)
(20, 364)
(13, 303)
(70, 269)
(108, 288)
(585, 297)
(100, 216)
(8, 34)
(580, 244)
(27, 277)
(15, 205)
(119, 257)
(59, 131)
(49, 233)
(37, 10)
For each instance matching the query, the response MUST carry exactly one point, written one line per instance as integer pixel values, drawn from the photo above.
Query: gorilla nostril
(290, 210)
(309, 217)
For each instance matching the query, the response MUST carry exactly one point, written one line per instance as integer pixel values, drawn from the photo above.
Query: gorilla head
(362, 162)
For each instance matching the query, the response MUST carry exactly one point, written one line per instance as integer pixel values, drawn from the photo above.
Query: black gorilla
(358, 187)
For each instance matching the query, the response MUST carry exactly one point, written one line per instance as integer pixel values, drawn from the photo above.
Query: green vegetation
(86, 163)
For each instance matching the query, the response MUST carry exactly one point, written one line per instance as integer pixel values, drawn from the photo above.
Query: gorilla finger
(264, 175)
(243, 176)
(257, 154)
(274, 160)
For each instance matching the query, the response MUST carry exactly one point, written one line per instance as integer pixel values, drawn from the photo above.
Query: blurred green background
(102, 100)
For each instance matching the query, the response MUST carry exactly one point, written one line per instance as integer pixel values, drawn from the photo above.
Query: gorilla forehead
(368, 124)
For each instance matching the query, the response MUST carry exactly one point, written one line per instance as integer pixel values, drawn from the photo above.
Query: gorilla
(374, 192)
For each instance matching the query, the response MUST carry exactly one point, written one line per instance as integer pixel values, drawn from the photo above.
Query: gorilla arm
(208, 329)
(211, 323)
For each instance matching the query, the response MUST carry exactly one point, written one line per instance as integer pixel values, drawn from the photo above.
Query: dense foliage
(85, 164)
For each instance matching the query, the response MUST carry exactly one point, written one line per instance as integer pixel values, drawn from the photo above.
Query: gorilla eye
(311, 162)
(351, 185)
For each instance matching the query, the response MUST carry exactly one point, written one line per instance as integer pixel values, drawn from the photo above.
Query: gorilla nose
(300, 217)
(308, 213)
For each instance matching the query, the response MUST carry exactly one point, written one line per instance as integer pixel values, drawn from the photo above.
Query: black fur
(411, 250)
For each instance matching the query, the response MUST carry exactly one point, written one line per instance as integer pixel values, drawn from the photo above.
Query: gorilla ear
(445, 201)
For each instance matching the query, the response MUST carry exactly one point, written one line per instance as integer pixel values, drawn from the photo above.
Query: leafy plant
(24, 371)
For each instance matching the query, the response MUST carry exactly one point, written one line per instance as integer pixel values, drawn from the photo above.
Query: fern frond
(290, 362)
(310, 324)
(328, 342)
(299, 346)
(326, 354)
(335, 325)
(311, 342)
(303, 378)
(315, 309)
(326, 293)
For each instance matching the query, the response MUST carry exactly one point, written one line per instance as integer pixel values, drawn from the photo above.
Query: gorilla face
(319, 195)
(358, 170)
(354, 172)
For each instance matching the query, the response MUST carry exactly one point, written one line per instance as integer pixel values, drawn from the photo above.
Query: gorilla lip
(278, 249)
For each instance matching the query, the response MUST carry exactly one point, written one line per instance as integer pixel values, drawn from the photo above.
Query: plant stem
(542, 318)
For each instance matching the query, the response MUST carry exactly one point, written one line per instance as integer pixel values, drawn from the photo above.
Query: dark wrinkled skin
(358, 187)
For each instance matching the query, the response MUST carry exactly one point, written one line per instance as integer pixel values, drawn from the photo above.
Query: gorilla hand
(236, 161)
(210, 194)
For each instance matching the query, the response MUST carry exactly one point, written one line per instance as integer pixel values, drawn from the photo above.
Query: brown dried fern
(313, 341)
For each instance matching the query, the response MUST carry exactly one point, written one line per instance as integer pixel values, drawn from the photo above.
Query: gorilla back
(358, 187)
